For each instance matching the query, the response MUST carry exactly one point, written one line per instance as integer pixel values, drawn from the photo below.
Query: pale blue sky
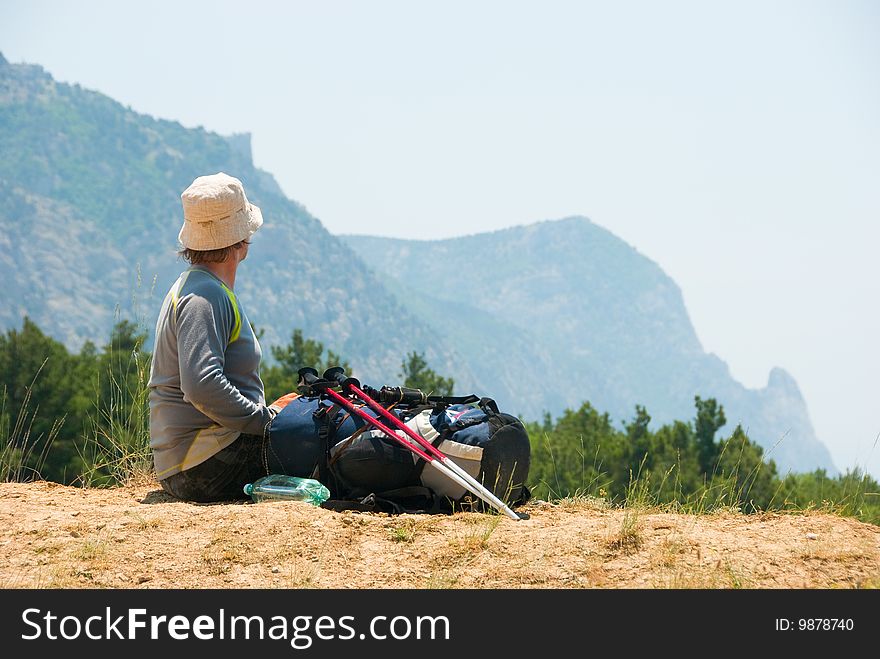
(737, 144)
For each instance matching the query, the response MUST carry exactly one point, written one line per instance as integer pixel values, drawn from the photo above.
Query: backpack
(364, 470)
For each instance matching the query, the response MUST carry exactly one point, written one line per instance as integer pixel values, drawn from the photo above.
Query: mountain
(90, 209)
(542, 317)
(564, 311)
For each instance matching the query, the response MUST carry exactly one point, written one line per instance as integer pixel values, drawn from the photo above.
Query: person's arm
(202, 334)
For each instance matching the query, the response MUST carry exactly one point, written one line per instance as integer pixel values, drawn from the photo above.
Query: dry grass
(580, 502)
(407, 529)
(628, 539)
(440, 580)
(670, 553)
(830, 550)
(869, 583)
(478, 529)
(59, 537)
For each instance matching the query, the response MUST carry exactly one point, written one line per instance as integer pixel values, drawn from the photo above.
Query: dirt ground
(52, 536)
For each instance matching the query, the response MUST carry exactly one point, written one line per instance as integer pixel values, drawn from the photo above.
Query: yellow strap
(236, 326)
(175, 290)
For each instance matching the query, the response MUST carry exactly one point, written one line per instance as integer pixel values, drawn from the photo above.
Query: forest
(82, 418)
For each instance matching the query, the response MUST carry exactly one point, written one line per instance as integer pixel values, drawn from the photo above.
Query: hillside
(557, 313)
(90, 210)
(52, 536)
(576, 314)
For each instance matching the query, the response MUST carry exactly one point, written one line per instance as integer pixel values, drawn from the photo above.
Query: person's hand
(282, 402)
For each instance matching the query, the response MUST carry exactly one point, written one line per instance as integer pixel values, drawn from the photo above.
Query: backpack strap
(525, 494)
(454, 400)
(410, 500)
(407, 396)
(326, 434)
(415, 499)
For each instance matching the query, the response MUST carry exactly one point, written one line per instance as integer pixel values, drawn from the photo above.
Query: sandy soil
(52, 536)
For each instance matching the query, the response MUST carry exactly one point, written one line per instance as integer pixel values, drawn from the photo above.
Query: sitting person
(208, 414)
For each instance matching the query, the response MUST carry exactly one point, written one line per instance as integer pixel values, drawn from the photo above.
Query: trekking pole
(309, 377)
(410, 397)
(476, 488)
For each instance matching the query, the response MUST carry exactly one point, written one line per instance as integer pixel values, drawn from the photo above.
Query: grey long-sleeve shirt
(205, 387)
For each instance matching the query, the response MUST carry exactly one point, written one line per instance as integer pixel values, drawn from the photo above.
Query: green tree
(852, 493)
(415, 373)
(117, 443)
(84, 418)
(38, 383)
(710, 417)
(749, 482)
(639, 441)
(580, 454)
(675, 464)
(282, 377)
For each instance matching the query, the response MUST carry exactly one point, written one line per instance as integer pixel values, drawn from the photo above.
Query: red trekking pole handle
(309, 377)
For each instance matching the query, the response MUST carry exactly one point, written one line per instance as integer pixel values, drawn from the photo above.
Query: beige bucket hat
(216, 213)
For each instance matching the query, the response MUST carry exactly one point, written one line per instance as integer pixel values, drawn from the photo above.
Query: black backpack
(364, 470)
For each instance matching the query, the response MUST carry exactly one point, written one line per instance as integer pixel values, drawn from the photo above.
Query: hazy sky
(736, 144)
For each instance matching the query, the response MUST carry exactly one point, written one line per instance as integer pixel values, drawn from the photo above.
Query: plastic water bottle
(277, 487)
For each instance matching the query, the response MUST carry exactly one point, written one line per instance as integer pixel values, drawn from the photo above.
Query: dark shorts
(223, 476)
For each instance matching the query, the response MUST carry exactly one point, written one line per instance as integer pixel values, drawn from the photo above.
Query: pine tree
(415, 373)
